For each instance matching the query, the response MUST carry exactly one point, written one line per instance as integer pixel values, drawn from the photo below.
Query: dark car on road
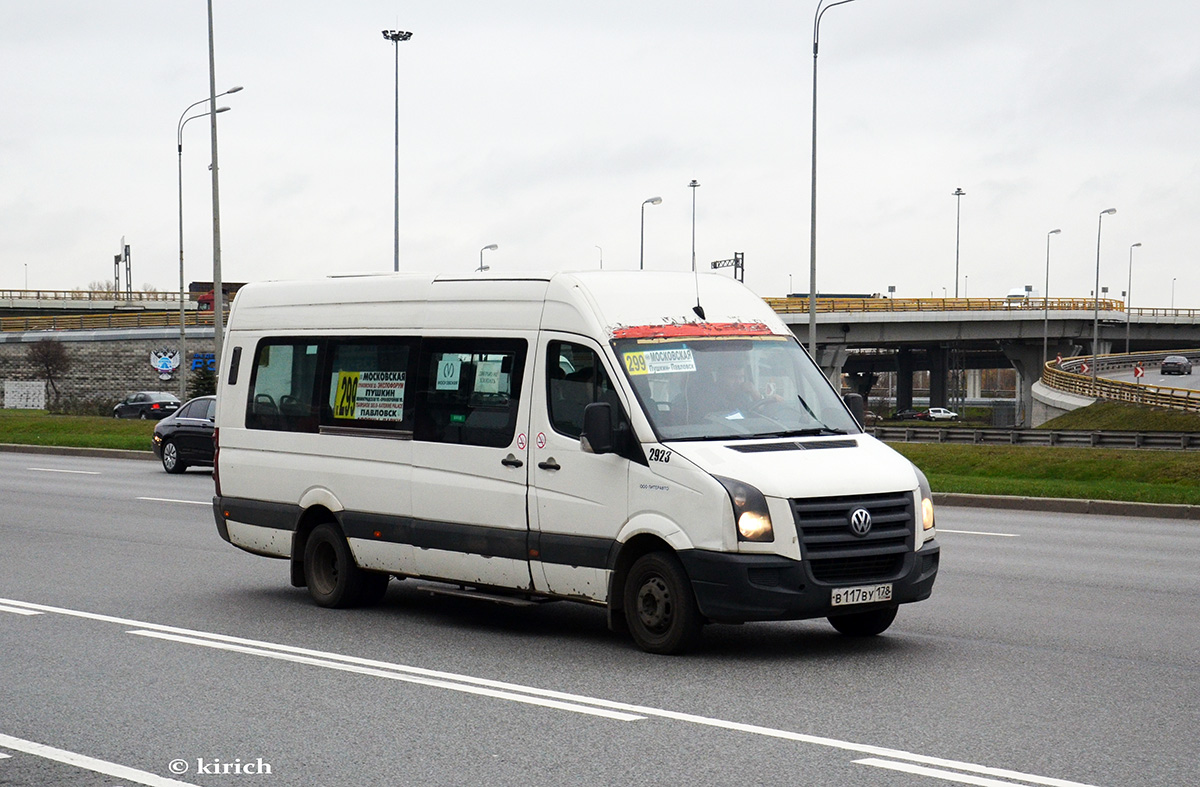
(1175, 364)
(186, 438)
(910, 415)
(146, 404)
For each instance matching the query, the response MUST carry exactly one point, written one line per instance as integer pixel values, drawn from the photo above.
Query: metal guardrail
(76, 322)
(87, 295)
(1070, 378)
(800, 305)
(1160, 441)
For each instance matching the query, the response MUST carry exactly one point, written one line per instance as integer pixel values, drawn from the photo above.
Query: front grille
(835, 555)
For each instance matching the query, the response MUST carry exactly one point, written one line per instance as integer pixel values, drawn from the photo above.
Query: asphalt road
(1153, 376)
(1056, 650)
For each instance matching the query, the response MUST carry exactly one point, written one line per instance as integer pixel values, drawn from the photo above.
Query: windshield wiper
(818, 430)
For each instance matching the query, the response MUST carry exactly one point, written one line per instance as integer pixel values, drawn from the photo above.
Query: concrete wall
(1049, 403)
(105, 364)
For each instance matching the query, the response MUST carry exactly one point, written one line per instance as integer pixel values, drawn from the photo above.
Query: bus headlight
(750, 512)
(926, 499)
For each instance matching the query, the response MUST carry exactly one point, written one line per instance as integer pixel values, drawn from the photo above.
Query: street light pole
(1096, 293)
(183, 121)
(1046, 303)
(1173, 292)
(958, 195)
(1129, 295)
(601, 258)
(218, 289)
(396, 36)
(642, 253)
(812, 228)
(489, 247)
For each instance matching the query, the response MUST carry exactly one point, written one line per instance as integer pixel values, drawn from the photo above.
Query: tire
(660, 608)
(864, 624)
(333, 578)
(170, 458)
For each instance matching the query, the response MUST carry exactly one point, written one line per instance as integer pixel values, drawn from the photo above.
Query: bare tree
(49, 357)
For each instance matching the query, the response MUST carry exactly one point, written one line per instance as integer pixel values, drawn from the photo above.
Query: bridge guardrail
(1160, 441)
(87, 295)
(800, 305)
(1068, 377)
(135, 319)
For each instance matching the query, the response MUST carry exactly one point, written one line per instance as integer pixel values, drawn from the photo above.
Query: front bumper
(734, 588)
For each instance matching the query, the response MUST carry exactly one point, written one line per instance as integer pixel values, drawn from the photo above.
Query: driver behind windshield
(731, 394)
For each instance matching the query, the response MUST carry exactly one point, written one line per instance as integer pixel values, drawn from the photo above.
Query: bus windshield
(730, 388)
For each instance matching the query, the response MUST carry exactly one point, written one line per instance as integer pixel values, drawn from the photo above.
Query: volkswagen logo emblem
(860, 522)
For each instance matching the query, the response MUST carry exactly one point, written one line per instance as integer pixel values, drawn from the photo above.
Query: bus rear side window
(281, 391)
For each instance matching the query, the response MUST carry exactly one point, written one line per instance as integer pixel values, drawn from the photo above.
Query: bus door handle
(549, 464)
(511, 461)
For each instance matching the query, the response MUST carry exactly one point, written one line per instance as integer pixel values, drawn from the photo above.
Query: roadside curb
(106, 453)
(1063, 505)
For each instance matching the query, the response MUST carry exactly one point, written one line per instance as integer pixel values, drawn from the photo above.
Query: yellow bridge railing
(800, 305)
(1070, 377)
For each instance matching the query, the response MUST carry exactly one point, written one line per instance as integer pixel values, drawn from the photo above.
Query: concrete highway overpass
(862, 337)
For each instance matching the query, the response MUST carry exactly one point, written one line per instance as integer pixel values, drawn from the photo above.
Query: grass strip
(1040, 471)
(37, 427)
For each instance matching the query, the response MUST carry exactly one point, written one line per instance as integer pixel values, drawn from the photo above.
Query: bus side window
(569, 392)
(469, 391)
(283, 380)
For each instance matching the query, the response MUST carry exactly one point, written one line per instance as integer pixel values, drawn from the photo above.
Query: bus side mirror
(597, 436)
(857, 408)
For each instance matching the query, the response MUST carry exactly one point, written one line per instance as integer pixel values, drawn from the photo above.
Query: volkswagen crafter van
(656, 443)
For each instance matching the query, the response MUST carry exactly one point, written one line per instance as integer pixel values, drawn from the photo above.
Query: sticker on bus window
(678, 359)
(487, 376)
(374, 396)
(448, 370)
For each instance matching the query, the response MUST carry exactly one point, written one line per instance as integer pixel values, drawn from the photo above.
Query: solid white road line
(89, 763)
(172, 500)
(53, 470)
(950, 776)
(19, 611)
(978, 533)
(247, 645)
(392, 675)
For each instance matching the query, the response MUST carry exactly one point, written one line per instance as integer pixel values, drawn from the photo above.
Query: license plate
(868, 594)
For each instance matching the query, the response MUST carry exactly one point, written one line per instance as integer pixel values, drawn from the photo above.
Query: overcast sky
(542, 125)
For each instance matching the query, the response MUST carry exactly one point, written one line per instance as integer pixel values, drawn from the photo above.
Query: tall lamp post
(489, 247)
(1129, 295)
(601, 258)
(218, 287)
(1096, 293)
(695, 184)
(183, 121)
(642, 253)
(958, 195)
(1173, 292)
(822, 7)
(396, 36)
(1046, 302)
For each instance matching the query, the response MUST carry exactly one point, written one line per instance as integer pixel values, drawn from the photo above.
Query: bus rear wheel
(333, 578)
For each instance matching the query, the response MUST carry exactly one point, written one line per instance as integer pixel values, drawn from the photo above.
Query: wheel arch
(627, 554)
(309, 520)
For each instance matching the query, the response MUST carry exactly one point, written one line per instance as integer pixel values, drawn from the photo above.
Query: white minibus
(656, 443)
